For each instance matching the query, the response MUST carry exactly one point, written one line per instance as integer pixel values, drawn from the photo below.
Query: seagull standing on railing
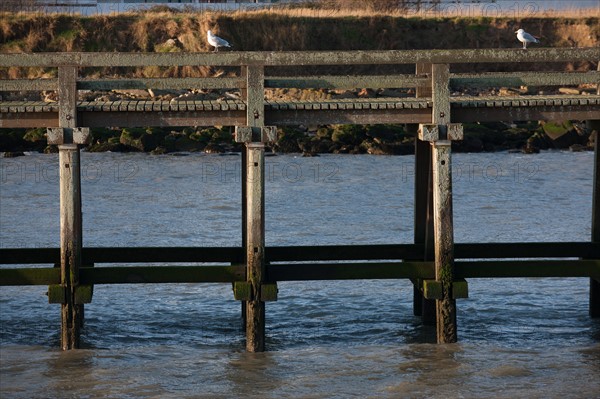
(216, 41)
(525, 38)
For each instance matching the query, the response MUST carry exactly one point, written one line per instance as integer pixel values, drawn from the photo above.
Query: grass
(279, 29)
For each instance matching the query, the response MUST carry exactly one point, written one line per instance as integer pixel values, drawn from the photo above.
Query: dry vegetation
(333, 25)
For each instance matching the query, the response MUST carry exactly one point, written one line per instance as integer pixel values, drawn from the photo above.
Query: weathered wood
(423, 224)
(346, 82)
(444, 241)
(423, 207)
(441, 94)
(595, 282)
(71, 242)
(255, 246)
(517, 79)
(412, 270)
(589, 250)
(255, 78)
(299, 58)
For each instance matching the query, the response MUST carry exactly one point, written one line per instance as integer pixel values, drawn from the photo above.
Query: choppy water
(518, 338)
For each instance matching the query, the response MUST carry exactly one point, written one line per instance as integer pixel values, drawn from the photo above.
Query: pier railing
(436, 265)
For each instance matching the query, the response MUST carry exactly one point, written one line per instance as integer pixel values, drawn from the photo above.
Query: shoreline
(527, 137)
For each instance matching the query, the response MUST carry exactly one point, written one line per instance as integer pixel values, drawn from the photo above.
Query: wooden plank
(528, 268)
(441, 94)
(350, 271)
(298, 58)
(594, 307)
(443, 239)
(305, 272)
(96, 255)
(517, 79)
(163, 118)
(71, 241)
(162, 274)
(160, 83)
(346, 82)
(255, 243)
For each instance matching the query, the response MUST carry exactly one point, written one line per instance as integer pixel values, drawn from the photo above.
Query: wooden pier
(437, 266)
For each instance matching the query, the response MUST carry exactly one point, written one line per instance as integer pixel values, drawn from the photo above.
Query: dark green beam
(305, 271)
(587, 250)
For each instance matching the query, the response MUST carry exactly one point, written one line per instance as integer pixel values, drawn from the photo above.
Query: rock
(562, 134)
(504, 91)
(342, 94)
(366, 93)
(133, 93)
(157, 93)
(159, 151)
(390, 93)
(138, 138)
(569, 90)
(213, 148)
(578, 148)
(13, 154)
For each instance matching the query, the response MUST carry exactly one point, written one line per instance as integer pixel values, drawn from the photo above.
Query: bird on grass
(216, 41)
(525, 38)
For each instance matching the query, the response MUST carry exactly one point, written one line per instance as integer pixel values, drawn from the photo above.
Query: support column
(423, 211)
(444, 241)
(595, 284)
(255, 246)
(70, 294)
(255, 291)
(440, 133)
(423, 221)
(70, 243)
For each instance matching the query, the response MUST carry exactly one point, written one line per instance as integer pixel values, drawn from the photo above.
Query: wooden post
(441, 133)
(70, 243)
(595, 284)
(444, 241)
(423, 221)
(423, 210)
(68, 138)
(254, 224)
(255, 247)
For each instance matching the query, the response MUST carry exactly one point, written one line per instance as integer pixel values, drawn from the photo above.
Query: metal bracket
(432, 289)
(250, 134)
(432, 132)
(68, 135)
(57, 293)
(242, 291)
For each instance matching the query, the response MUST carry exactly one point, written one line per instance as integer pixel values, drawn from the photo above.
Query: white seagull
(216, 41)
(525, 38)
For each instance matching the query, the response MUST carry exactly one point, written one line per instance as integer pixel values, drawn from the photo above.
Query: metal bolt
(442, 114)
(256, 114)
(68, 117)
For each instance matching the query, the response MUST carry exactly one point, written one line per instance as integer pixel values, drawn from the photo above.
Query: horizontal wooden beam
(347, 81)
(350, 271)
(528, 113)
(95, 255)
(299, 58)
(356, 116)
(528, 268)
(305, 272)
(516, 79)
(162, 118)
(28, 84)
(164, 83)
(162, 274)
